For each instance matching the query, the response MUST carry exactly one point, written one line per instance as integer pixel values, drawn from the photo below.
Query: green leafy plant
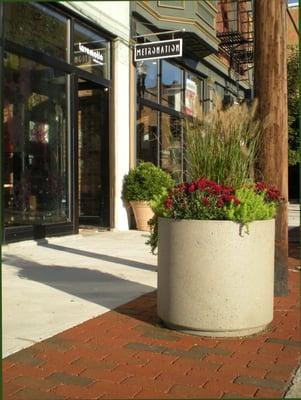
(252, 207)
(145, 182)
(223, 145)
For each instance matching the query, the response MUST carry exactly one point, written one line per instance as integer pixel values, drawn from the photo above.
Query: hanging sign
(155, 50)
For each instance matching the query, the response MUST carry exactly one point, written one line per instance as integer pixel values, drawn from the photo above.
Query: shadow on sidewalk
(102, 257)
(98, 287)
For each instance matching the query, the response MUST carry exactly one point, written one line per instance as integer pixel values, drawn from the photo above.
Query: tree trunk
(270, 84)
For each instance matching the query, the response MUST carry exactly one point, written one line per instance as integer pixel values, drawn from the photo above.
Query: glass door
(93, 154)
(35, 137)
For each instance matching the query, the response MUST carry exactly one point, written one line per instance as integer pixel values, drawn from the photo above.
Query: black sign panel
(155, 50)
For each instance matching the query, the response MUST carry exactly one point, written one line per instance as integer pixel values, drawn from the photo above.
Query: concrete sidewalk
(54, 284)
(53, 290)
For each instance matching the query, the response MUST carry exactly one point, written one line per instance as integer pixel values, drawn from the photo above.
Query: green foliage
(293, 105)
(144, 182)
(253, 207)
(157, 205)
(223, 145)
(205, 200)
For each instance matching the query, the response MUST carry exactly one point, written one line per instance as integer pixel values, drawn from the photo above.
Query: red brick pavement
(125, 353)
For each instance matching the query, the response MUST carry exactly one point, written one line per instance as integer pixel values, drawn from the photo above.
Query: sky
(292, 1)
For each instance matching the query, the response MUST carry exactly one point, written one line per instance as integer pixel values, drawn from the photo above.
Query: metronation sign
(155, 50)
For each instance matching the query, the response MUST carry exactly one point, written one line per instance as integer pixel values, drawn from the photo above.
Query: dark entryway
(93, 154)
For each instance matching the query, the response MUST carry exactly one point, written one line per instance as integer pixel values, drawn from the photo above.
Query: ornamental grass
(223, 145)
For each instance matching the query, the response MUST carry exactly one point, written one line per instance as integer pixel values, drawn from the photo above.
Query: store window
(35, 136)
(160, 136)
(147, 134)
(91, 51)
(36, 27)
(171, 86)
(171, 145)
(147, 79)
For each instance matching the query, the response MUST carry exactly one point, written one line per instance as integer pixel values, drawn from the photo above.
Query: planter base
(217, 334)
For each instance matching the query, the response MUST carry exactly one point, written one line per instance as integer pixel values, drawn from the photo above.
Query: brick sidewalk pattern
(126, 353)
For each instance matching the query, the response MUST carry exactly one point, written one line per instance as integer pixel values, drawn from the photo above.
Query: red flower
(260, 186)
(168, 203)
(191, 188)
(206, 201)
(227, 190)
(273, 194)
(220, 202)
(201, 183)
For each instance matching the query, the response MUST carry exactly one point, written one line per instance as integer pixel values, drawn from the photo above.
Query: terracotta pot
(143, 213)
(214, 278)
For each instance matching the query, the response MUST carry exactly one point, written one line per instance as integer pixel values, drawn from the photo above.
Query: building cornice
(180, 20)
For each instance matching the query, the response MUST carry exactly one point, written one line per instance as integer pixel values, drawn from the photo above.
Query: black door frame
(18, 233)
(106, 161)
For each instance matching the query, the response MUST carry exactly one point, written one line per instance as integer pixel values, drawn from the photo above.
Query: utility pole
(270, 84)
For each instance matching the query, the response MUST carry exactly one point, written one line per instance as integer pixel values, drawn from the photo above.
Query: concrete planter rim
(216, 220)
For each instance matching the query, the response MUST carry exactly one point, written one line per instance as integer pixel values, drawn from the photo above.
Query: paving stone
(145, 347)
(32, 394)
(285, 342)
(225, 386)
(268, 383)
(186, 390)
(27, 357)
(156, 333)
(151, 394)
(62, 378)
(209, 350)
(34, 383)
(56, 343)
(100, 365)
(231, 396)
(269, 393)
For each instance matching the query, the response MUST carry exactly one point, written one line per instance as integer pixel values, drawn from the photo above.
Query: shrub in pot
(141, 185)
(216, 237)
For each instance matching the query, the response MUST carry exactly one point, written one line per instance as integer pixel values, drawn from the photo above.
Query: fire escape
(235, 30)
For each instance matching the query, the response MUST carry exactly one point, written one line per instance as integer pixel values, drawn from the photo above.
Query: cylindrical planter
(143, 213)
(214, 278)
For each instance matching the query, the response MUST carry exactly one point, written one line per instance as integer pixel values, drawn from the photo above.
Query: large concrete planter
(214, 279)
(143, 213)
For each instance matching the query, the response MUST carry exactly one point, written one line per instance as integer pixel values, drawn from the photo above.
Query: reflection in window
(91, 51)
(35, 143)
(194, 95)
(36, 27)
(147, 80)
(171, 146)
(147, 134)
(171, 86)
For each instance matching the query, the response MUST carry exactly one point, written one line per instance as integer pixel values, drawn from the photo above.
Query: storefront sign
(96, 56)
(156, 50)
(89, 54)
